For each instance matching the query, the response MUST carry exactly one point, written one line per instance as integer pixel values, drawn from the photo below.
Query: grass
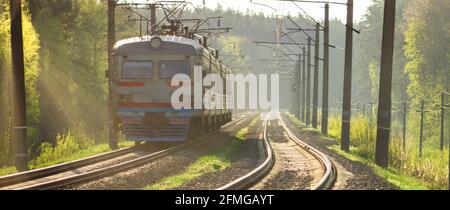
(294, 120)
(219, 160)
(7, 170)
(83, 153)
(68, 148)
(299, 123)
(391, 175)
(204, 165)
(431, 168)
(407, 170)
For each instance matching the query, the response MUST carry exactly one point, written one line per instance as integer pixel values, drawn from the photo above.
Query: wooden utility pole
(347, 98)
(422, 111)
(316, 77)
(404, 125)
(19, 119)
(384, 104)
(325, 82)
(298, 112)
(442, 120)
(113, 124)
(303, 84)
(308, 85)
(295, 107)
(153, 19)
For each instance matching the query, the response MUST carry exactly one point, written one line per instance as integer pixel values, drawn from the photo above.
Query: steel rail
(258, 173)
(60, 168)
(124, 166)
(329, 177)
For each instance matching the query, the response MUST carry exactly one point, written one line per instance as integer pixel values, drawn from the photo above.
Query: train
(144, 67)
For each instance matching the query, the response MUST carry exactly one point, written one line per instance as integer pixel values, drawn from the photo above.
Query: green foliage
(66, 145)
(432, 168)
(296, 121)
(7, 170)
(427, 48)
(74, 58)
(368, 53)
(203, 165)
(68, 148)
(73, 62)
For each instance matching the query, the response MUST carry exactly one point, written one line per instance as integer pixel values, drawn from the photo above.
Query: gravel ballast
(294, 168)
(151, 173)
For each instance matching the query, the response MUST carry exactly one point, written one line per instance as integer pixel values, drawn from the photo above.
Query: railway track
(60, 168)
(329, 176)
(72, 172)
(258, 173)
(256, 176)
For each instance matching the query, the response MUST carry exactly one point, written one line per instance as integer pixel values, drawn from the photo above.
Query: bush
(66, 145)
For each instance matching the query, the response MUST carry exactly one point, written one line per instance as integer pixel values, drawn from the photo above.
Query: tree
(427, 48)
(368, 52)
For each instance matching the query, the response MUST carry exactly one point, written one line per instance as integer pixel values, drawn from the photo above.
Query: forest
(66, 90)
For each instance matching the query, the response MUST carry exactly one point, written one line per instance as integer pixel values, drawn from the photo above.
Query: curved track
(259, 172)
(325, 182)
(329, 177)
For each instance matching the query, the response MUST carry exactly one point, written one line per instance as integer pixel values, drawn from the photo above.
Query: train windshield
(137, 70)
(168, 69)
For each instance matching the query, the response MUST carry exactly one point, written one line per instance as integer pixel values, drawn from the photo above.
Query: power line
(307, 14)
(300, 28)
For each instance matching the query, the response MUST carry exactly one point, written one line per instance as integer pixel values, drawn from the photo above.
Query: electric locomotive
(144, 67)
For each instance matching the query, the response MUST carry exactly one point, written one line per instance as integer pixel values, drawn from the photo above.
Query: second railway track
(320, 167)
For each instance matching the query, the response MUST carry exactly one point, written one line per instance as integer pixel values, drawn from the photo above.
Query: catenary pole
(113, 124)
(385, 90)
(308, 85)
(316, 77)
(347, 102)
(19, 119)
(325, 82)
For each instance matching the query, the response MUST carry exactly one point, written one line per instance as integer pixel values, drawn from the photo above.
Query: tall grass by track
(431, 168)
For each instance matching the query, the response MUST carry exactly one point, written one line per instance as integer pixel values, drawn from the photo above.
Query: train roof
(174, 45)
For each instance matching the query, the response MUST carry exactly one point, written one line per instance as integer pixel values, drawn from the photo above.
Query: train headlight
(156, 43)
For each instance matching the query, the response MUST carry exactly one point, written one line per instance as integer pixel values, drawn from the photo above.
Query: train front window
(168, 69)
(137, 70)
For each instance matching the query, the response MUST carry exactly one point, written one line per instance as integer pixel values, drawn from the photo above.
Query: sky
(285, 8)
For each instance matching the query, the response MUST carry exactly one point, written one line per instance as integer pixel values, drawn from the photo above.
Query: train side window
(168, 69)
(137, 70)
